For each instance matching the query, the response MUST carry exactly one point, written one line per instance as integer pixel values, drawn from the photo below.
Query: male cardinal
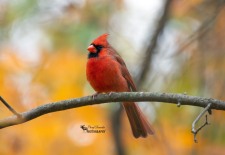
(107, 72)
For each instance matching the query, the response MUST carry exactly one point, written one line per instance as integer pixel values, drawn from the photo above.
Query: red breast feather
(104, 75)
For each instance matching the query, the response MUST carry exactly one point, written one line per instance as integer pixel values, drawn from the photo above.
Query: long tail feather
(139, 124)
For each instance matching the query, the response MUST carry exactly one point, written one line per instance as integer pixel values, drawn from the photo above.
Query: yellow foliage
(60, 75)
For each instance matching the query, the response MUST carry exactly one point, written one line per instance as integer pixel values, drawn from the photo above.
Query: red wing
(124, 70)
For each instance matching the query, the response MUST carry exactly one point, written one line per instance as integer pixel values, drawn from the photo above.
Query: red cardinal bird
(107, 72)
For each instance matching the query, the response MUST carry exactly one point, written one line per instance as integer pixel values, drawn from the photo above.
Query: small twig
(195, 131)
(9, 107)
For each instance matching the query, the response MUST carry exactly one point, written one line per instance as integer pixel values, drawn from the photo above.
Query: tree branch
(202, 30)
(113, 97)
(151, 49)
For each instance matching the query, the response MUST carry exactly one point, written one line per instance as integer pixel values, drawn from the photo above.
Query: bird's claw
(110, 93)
(94, 95)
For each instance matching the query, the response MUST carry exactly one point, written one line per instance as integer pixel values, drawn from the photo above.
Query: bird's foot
(110, 93)
(94, 95)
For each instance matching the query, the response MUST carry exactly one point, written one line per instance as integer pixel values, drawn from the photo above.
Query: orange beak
(92, 49)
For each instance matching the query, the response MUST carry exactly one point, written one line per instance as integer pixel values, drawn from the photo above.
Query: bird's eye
(98, 47)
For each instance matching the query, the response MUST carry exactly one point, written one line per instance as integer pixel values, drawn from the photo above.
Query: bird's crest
(101, 40)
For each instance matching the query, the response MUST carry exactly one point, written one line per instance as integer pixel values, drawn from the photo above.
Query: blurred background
(175, 46)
